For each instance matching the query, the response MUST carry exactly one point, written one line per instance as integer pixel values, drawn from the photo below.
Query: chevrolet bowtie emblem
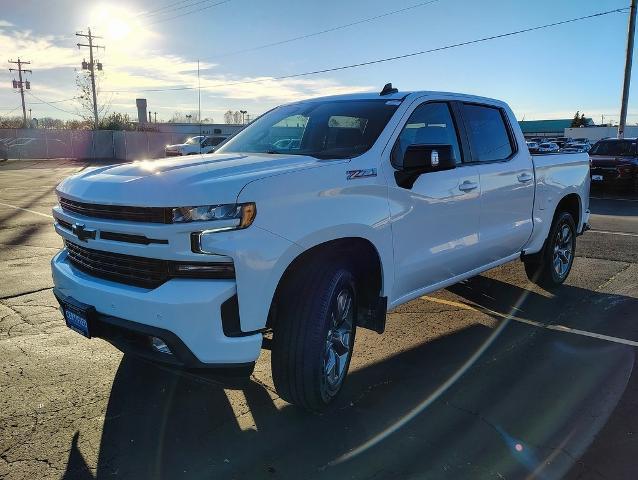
(82, 232)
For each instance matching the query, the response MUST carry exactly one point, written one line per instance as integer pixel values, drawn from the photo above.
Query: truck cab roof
(401, 96)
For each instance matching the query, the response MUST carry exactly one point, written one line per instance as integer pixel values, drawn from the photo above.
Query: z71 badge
(368, 172)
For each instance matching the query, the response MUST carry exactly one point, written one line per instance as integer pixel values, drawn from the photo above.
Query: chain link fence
(85, 144)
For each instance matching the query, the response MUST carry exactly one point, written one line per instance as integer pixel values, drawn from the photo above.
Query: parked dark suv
(615, 162)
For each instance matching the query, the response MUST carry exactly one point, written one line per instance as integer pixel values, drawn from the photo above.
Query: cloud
(5, 24)
(54, 60)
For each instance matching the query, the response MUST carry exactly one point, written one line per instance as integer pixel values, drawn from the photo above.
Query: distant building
(548, 128)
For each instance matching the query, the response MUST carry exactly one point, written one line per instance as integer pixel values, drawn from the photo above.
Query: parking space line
(622, 234)
(615, 199)
(26, 210)
(557, 328)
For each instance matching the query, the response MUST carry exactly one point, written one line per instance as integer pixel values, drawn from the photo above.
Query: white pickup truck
(384, 198)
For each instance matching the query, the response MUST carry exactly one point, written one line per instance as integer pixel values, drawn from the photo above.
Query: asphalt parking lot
(491, 378)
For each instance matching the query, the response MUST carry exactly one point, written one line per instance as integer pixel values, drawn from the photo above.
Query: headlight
(231, 216)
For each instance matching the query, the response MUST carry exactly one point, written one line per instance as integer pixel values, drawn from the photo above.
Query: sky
(549, 73)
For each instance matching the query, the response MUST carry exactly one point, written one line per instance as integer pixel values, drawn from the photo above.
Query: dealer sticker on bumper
(597, 178)
(77, 320)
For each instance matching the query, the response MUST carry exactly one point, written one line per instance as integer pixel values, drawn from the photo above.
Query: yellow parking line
(26, 210)
(556, 328)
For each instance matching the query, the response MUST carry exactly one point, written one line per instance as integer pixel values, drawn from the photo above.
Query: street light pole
(628, 59)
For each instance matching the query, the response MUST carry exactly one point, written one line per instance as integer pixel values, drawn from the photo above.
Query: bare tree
(237, 117)
(85, 96)
(190, 117)
(228, 117)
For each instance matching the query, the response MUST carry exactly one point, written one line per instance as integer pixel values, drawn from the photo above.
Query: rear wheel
(314, 334)
(550, 267)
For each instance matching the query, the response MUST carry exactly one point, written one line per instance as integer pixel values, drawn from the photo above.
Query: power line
(169, 6)
(52, 105)
(10, 111)
(54, 101)
(176, 7)
(387, 59)
(188, 13)
(328, 30)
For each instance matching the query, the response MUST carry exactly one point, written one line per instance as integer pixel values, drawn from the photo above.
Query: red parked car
(615, 162)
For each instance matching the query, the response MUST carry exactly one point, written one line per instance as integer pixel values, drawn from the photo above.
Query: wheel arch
(362, 255)
(572, 204)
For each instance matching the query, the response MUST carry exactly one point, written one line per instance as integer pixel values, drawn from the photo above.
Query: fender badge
(368, 172)
(434, 158)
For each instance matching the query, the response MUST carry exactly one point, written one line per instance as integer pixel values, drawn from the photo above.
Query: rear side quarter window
(489, 133)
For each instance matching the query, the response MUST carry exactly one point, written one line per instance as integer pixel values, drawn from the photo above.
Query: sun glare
(116, 23)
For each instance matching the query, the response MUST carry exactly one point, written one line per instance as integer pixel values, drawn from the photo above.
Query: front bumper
(613, 175)
(185, 313)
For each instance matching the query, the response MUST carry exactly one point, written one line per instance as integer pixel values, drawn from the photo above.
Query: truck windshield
(322, 129)
(614, 147)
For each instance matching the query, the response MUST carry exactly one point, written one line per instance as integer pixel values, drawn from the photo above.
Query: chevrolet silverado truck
(383, 198)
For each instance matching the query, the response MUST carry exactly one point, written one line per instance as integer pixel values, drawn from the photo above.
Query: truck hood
(180, 181)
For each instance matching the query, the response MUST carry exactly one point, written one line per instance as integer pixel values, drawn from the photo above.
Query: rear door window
(487, 132)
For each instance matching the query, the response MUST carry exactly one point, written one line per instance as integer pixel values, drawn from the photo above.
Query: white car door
(507, 180)
(435, 221)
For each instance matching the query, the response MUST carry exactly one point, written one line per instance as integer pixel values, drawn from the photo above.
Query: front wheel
(552, 265)
(314, 335)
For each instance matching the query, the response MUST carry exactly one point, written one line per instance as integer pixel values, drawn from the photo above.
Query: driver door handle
(466, 186)
(525, 177)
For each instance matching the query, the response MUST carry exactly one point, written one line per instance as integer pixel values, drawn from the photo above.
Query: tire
(314, 334)
(550, 267)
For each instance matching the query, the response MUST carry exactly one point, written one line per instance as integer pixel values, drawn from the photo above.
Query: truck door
(507, 180)
(435, 221)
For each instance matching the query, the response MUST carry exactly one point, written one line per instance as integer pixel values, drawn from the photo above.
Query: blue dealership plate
(77, 319)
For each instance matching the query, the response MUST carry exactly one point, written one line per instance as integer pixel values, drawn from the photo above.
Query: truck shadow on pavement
(529, 406)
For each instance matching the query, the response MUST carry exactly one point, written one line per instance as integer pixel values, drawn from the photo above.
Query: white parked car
(576, 148)
(286, 144)
(194, 145)
(548, 147)
(389, 197)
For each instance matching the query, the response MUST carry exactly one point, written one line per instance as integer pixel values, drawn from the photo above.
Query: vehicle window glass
(429, 124)
(487, 131)
(614, 147)
(323, 129)
(216, 141)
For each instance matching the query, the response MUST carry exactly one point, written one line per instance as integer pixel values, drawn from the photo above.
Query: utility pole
(155, 117)
(21, 85)
(630, 52)
(91, 68)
